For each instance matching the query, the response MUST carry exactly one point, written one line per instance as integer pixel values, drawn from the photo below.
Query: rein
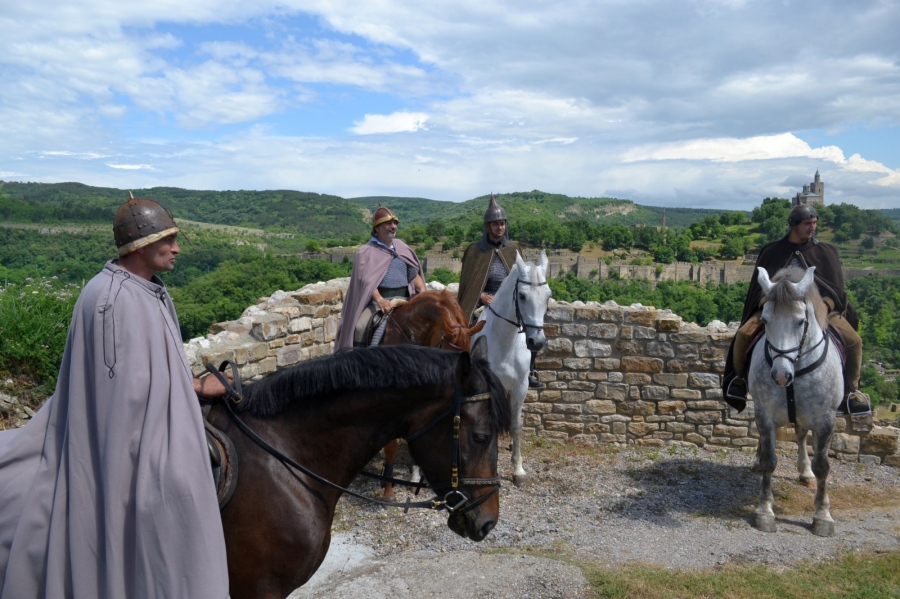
(519, 323)
(452, 501)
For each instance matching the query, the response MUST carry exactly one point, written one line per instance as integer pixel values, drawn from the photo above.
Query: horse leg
(803, 464)
(390, 452)
(520, 478)
(765, 516)
(823, 524)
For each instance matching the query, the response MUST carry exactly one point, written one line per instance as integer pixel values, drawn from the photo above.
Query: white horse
(795, 377)
(514, 325)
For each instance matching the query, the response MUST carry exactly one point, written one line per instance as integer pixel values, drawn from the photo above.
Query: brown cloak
(476, 265)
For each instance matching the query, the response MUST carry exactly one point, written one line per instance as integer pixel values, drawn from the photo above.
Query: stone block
(685, 394)
(591, 348)
(641, 316)
(670, 407)
(537, 408)
(567, 408)
(698, 440)
(668, 323)
(636, 408)
(266, 327)
(603, 331)
(660, 350)
(670, 379)
(297, 325)
(607, 364)
(880, 441)
(551, 329)
(312, 298)
(698, 336)
(574, 330)
(641, 364)
(576, 396)
(629, 348)
(654, 392)
(703, 380)
(560, 312)
(641, 429)
(577, 363)
(587, 313)
(612, 391)
(267, 365)
(559, 346)
(722, 430)
(686, 351)
(702, 417)
(638, 378)
(611, 314)
(644, 333)
(595, 406)
(288, 355)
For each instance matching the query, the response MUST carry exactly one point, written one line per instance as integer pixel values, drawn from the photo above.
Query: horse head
(532, 298)
(792, 304)
(466, 476)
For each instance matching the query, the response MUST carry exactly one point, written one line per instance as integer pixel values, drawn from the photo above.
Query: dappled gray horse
(795, 377)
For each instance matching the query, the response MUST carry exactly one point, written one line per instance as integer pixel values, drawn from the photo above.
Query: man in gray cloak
(107, 492)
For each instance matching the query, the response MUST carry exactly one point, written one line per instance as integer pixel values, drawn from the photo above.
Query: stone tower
(814, 193)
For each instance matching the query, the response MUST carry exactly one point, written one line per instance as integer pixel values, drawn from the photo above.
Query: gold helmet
(383, 215)
(140, 222)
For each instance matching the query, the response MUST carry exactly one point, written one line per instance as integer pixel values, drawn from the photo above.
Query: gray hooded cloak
(107, 491)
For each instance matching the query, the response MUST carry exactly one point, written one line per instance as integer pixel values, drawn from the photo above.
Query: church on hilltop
(814, 193)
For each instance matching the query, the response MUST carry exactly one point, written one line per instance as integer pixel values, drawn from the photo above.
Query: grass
(853, 575)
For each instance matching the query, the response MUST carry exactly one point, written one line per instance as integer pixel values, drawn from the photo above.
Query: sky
(681, 103)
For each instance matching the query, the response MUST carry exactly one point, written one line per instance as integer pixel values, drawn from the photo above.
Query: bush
(443, 275)
(34, 324)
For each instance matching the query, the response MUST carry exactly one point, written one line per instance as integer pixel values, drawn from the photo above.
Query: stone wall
(617, 375)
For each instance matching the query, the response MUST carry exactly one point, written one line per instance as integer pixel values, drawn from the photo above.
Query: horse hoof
(822, 528)
(387, 495)
(809, 483)
(756, 468)
(765, 523)
(520, 480)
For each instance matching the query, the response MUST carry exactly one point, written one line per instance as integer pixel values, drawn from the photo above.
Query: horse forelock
(371, 369)
(782, 293)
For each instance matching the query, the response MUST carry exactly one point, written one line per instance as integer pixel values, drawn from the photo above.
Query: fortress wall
(615, 375)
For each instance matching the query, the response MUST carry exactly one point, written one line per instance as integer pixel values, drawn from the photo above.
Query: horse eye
(481, 438)
(521, 296)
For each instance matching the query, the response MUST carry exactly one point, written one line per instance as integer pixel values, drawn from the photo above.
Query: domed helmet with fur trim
(140, 222)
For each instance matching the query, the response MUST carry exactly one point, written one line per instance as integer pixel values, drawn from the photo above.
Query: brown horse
(433, 319)
(331, 416)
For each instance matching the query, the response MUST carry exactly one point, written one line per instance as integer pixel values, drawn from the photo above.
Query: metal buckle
(463, 500)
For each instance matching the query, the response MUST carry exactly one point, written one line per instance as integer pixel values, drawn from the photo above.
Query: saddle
(378, 318)
(223, 458)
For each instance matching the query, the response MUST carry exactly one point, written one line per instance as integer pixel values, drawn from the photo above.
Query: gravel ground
(679, 508)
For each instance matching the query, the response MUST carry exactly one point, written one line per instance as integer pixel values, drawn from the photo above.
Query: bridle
(784, 354)
(453, 501)
(519, 322)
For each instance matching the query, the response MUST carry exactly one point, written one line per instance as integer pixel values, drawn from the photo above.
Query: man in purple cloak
(384, 269)
(107, 492)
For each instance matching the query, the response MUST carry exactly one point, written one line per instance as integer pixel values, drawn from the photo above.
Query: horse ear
(806, 281)
(544, 262)
(520, 262)
(763, 279)
(480, 349)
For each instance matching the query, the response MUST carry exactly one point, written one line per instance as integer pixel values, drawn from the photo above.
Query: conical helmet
(383, 215)
(494, 211)
(140, 222)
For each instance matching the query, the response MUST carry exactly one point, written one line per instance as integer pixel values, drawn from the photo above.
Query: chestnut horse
(434, 319)
(330, 416)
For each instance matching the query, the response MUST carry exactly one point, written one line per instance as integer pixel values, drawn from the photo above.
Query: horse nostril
(487, 528)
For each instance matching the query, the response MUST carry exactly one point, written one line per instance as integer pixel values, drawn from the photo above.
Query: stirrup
(737, 389)
(857, 403)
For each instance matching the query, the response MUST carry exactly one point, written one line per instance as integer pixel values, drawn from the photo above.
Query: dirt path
(679, 510)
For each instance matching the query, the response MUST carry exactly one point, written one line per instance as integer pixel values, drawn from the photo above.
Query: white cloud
(398, 122)
(130, 167)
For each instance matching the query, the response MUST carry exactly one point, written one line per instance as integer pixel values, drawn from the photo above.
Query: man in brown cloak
(799, 247)
(107, 492)
(485, 264)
